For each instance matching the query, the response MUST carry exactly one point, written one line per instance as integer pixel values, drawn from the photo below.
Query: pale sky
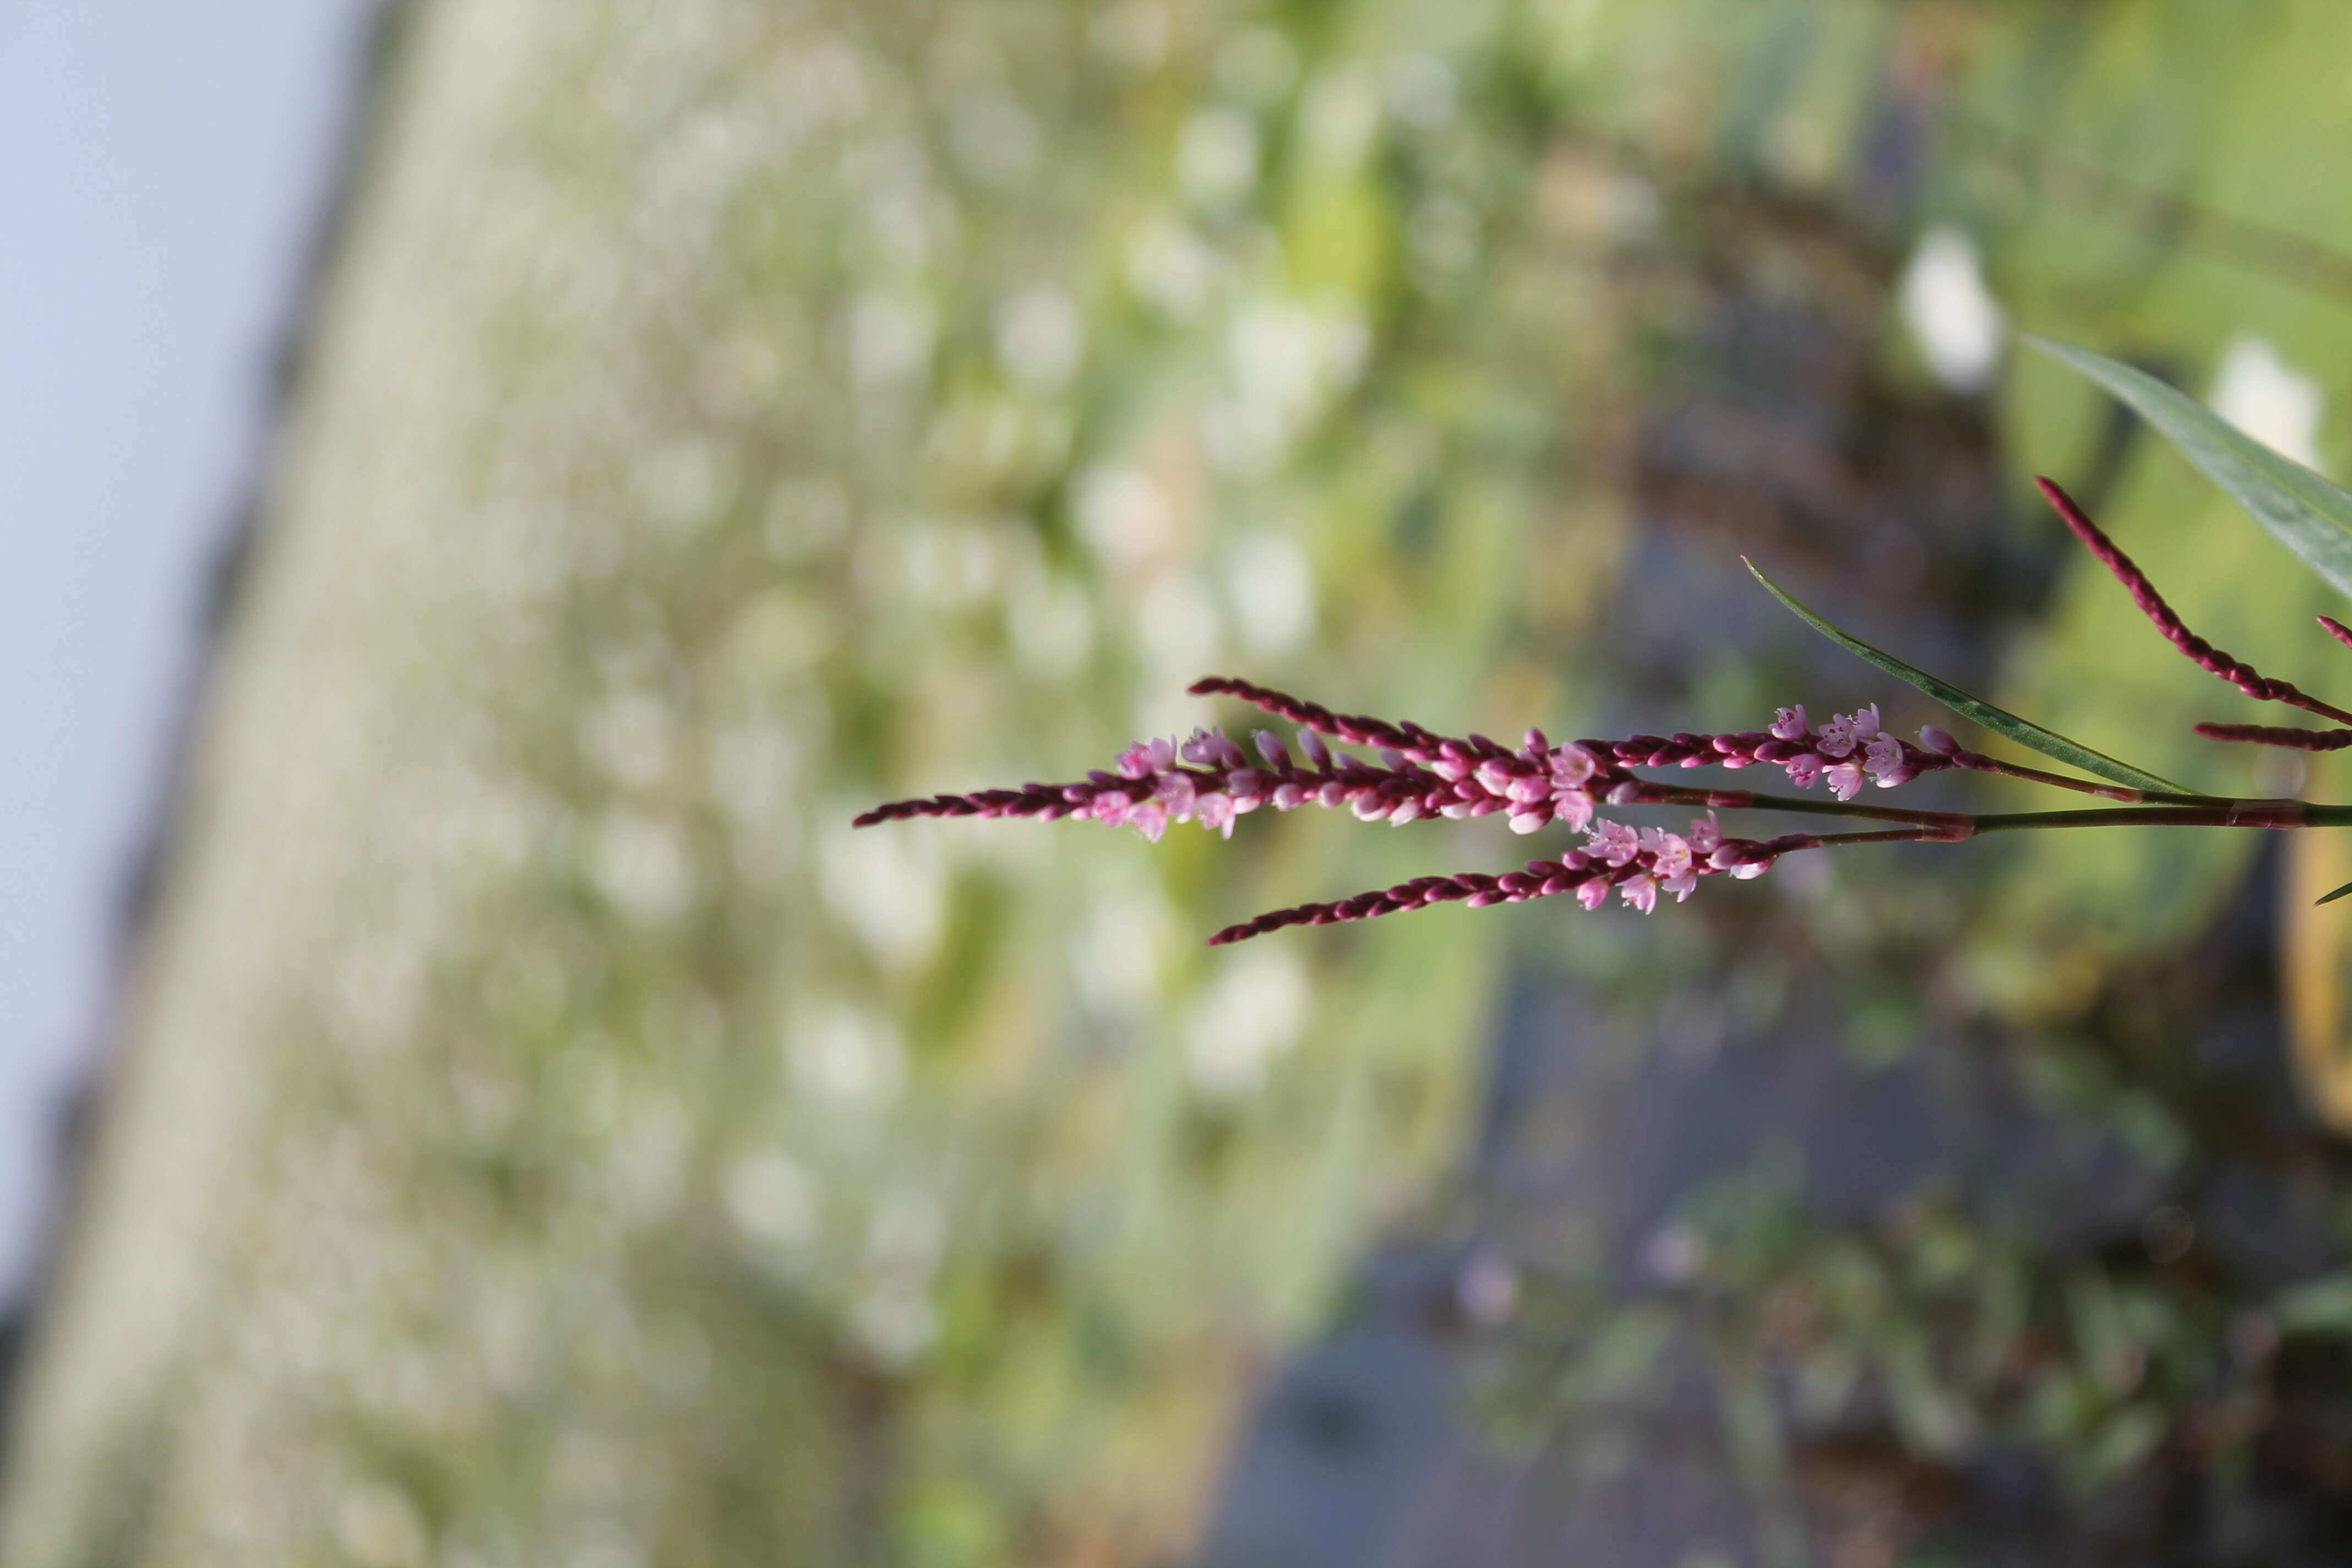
(163, 167)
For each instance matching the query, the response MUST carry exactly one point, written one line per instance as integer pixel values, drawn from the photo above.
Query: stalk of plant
(1416, 775)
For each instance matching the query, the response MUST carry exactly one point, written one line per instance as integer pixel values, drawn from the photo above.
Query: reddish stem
(2268, 735)
(2210, 659)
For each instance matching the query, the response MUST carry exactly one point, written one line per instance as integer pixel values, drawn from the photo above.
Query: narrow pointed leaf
(1999, 720)
(2309, 514)
(2331, 898)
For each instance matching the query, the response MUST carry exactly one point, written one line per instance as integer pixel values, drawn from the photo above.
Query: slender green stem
(2205, 813)
(1756, 800)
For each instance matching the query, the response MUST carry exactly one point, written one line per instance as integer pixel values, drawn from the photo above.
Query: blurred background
(520, 1124)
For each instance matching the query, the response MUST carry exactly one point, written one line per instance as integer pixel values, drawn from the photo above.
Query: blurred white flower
(1217, 159)
(1952, 315)
(840, 1052)
(1250, 1015)
(1273, 593)
(1039, 338)
(2267, 398)
(773, 1200)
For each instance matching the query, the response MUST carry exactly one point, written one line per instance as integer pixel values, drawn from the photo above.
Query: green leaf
(2331, 898)
(1976, 709)
(2308, 513)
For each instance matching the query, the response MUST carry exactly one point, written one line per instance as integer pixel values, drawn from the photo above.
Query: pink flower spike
(1593, 893)
(1837, 736)
(1844, 779)
(1938, 740)
(1641, 892)
(1804, 769)
(1704, 834)
(1790, 724)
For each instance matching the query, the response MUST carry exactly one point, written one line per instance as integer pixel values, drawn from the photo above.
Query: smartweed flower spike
(1417, 775)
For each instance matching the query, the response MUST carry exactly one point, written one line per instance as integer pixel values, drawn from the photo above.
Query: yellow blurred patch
(2315, 955)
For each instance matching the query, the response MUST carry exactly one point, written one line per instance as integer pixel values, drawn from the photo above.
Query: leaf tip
(2331, 898)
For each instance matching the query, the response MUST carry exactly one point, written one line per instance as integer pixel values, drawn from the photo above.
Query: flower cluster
(1849, 749)
(1639, 863)
(1419, 774)
(1210, 780)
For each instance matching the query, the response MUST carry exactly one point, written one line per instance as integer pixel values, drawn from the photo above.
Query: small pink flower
(1277, 755)
(1938, 740)
(1592, 894)
(1496, 775)
(1670, 853)
(1882, 756)
(1175, 791)
(1288, 798)
(1317, 752)
(1150, 818)
(1214, 812)
(1845, 779)
(1704, 834)
(1641, 892)
(1247, 783)
(1530, 821)
(1804, 769)
(1681, 886)
(1790, 725)
(1572, 807)
(1146, 758)
(1614, 842)
(1571, 765)
(1837, 736)
(1865, 724)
